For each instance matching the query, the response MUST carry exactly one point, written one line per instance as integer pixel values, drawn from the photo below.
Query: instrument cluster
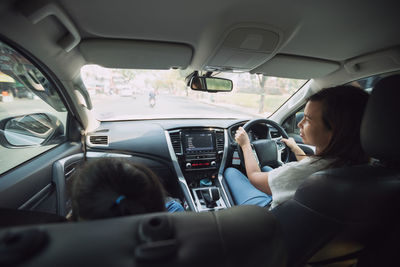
(258, 131)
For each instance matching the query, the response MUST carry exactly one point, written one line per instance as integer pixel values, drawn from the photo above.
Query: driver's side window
(298, 117)
(293, 130)
(291, 125)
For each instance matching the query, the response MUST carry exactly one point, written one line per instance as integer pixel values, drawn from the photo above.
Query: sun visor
(130, 54)
(387, 59)
(244, 49)
(296, 67)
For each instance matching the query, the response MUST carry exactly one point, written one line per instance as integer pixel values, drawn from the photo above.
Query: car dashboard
(188, 155)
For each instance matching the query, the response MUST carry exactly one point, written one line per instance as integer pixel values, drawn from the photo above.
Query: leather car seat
(336, 213)
(235, 237)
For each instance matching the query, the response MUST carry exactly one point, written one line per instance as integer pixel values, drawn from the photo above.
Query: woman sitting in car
(331, 123)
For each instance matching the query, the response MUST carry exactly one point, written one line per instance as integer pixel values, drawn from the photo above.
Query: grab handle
(37, 11)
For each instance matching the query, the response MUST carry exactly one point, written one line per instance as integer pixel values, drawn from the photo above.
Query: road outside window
(32, 115)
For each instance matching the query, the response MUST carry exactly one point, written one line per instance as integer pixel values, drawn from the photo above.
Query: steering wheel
(268, 151)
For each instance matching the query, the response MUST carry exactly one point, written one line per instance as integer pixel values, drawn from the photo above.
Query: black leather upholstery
(380, 127)
(239, 236)
(348, 204)
(338, 212)
(351, 194)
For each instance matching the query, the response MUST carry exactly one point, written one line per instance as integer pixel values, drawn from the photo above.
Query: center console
(197, 155)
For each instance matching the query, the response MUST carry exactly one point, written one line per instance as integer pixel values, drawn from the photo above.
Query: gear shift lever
(210, 196)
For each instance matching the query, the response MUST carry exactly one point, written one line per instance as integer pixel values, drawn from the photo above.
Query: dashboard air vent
(98, 139)
(176, 142)
(220, 141)
(70, 170)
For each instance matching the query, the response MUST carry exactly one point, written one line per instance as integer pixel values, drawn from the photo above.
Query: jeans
(173, 206)
(242, 191)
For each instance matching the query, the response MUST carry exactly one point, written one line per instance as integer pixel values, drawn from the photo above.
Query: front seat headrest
(380, 126)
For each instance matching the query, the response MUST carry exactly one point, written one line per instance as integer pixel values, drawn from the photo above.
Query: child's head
(111, 187)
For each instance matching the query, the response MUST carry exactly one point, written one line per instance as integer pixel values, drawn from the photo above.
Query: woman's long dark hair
(111, 187)
(342, 111)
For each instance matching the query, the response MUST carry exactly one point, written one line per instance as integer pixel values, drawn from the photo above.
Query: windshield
(119, 94)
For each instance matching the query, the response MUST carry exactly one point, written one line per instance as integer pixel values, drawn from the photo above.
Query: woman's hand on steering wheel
(241, 137)
(269, 151)
(290, 143)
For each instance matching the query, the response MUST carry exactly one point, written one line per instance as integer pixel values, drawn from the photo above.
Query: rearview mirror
(31, 130)
(210, 84)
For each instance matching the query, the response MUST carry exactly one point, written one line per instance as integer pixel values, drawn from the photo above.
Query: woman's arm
(298, 152)
(257, 178)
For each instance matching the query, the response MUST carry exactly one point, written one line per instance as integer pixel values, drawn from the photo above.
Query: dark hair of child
(112, 187)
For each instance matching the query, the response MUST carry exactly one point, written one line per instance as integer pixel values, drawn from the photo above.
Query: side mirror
(210, 84)
(31, 130)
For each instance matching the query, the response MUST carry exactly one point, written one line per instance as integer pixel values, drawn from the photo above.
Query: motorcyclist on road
(152, 98)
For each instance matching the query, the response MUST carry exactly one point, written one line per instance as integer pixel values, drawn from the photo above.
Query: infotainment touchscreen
(199, 142)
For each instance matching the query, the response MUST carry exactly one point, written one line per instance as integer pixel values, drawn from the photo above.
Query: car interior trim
(220, 203)
(300, 67)
(32, 177)
(245, 47)
(101, 140)
(37, 11)
(200, 164)
(181, 178)
(222, 168)
(96, 154)
(36, 199)
(391, 57)
(60, 177)
(135, 54)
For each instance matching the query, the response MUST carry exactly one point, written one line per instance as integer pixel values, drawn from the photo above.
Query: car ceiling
(332, 30)
(307, 38)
